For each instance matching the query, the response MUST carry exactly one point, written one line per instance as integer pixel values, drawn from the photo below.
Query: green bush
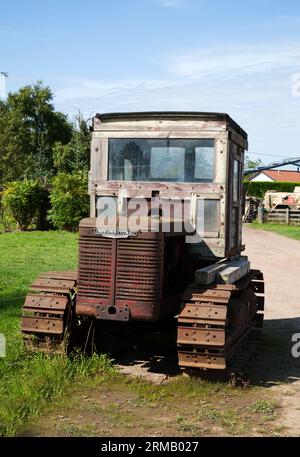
(69, 200)
(259, 188)
(24, 201)
(7, 222)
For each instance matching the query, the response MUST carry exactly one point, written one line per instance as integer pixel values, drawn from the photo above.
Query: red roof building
(276, 175)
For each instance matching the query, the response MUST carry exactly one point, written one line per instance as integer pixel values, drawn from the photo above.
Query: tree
(251, 164)
(74, 156)
(29, 128)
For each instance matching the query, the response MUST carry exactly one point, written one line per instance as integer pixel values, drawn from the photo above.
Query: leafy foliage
(24, 201)
(69, 200)
(29, 128)
(74, 156)
(38, 143)
(7, 222)
(259, 188)
(251, 164)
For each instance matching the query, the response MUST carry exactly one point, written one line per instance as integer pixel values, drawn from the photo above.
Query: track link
(47, 312)
(219, 326)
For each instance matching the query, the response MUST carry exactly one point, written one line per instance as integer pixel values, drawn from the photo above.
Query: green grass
(265, 408)
(28, 382)
(291, 231)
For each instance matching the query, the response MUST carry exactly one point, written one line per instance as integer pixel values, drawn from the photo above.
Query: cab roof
(204, 116)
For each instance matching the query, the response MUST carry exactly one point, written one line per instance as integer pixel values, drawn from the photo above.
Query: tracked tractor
(163, 240)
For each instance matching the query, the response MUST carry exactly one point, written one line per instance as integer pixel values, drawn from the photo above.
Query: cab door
(234, 220)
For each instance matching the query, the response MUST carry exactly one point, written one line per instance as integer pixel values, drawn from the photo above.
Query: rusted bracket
(115, 313)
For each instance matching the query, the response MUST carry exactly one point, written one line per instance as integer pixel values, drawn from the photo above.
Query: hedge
(259, 188)
(25, 201)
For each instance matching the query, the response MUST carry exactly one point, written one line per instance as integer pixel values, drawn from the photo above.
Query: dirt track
(279, 259)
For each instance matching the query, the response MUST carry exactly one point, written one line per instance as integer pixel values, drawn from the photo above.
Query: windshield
(161, 160)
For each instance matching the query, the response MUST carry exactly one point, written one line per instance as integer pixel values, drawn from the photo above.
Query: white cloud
(88, 88)
(228, 61)
(211, 66)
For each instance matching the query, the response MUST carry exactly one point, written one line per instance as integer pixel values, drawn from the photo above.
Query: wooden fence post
(287, 216)
(260, 214)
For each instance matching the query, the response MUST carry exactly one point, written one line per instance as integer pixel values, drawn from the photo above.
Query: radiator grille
(138, 270)
(112, 271)
(95, 267)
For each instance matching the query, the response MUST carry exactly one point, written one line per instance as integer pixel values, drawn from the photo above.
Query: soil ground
(149, 397)
(279, 259)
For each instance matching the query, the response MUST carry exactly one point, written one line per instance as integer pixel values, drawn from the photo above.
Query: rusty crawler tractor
(194, 160)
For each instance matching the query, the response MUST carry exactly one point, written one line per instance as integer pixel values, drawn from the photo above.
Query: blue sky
(123, 55)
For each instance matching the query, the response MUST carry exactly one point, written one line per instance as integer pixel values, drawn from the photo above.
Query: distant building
(276, 175)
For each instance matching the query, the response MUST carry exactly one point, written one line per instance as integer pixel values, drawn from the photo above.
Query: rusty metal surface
(210, 295)
(214, 323)
(112, 313)
(42, 301)
(42, 325)
(46, 310)
(49, 284)
(203, 311)
(201, 360)
(199, 336)
(124, 273)
(64, 275)
(138, 276)
(96, 269)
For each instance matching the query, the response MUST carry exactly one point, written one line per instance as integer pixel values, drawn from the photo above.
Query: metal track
(216, 324)
(47, 311)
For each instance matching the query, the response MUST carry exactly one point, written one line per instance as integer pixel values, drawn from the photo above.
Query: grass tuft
(291, 231)
(265, 407)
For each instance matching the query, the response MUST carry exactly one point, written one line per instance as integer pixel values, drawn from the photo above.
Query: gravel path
(279, 259)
